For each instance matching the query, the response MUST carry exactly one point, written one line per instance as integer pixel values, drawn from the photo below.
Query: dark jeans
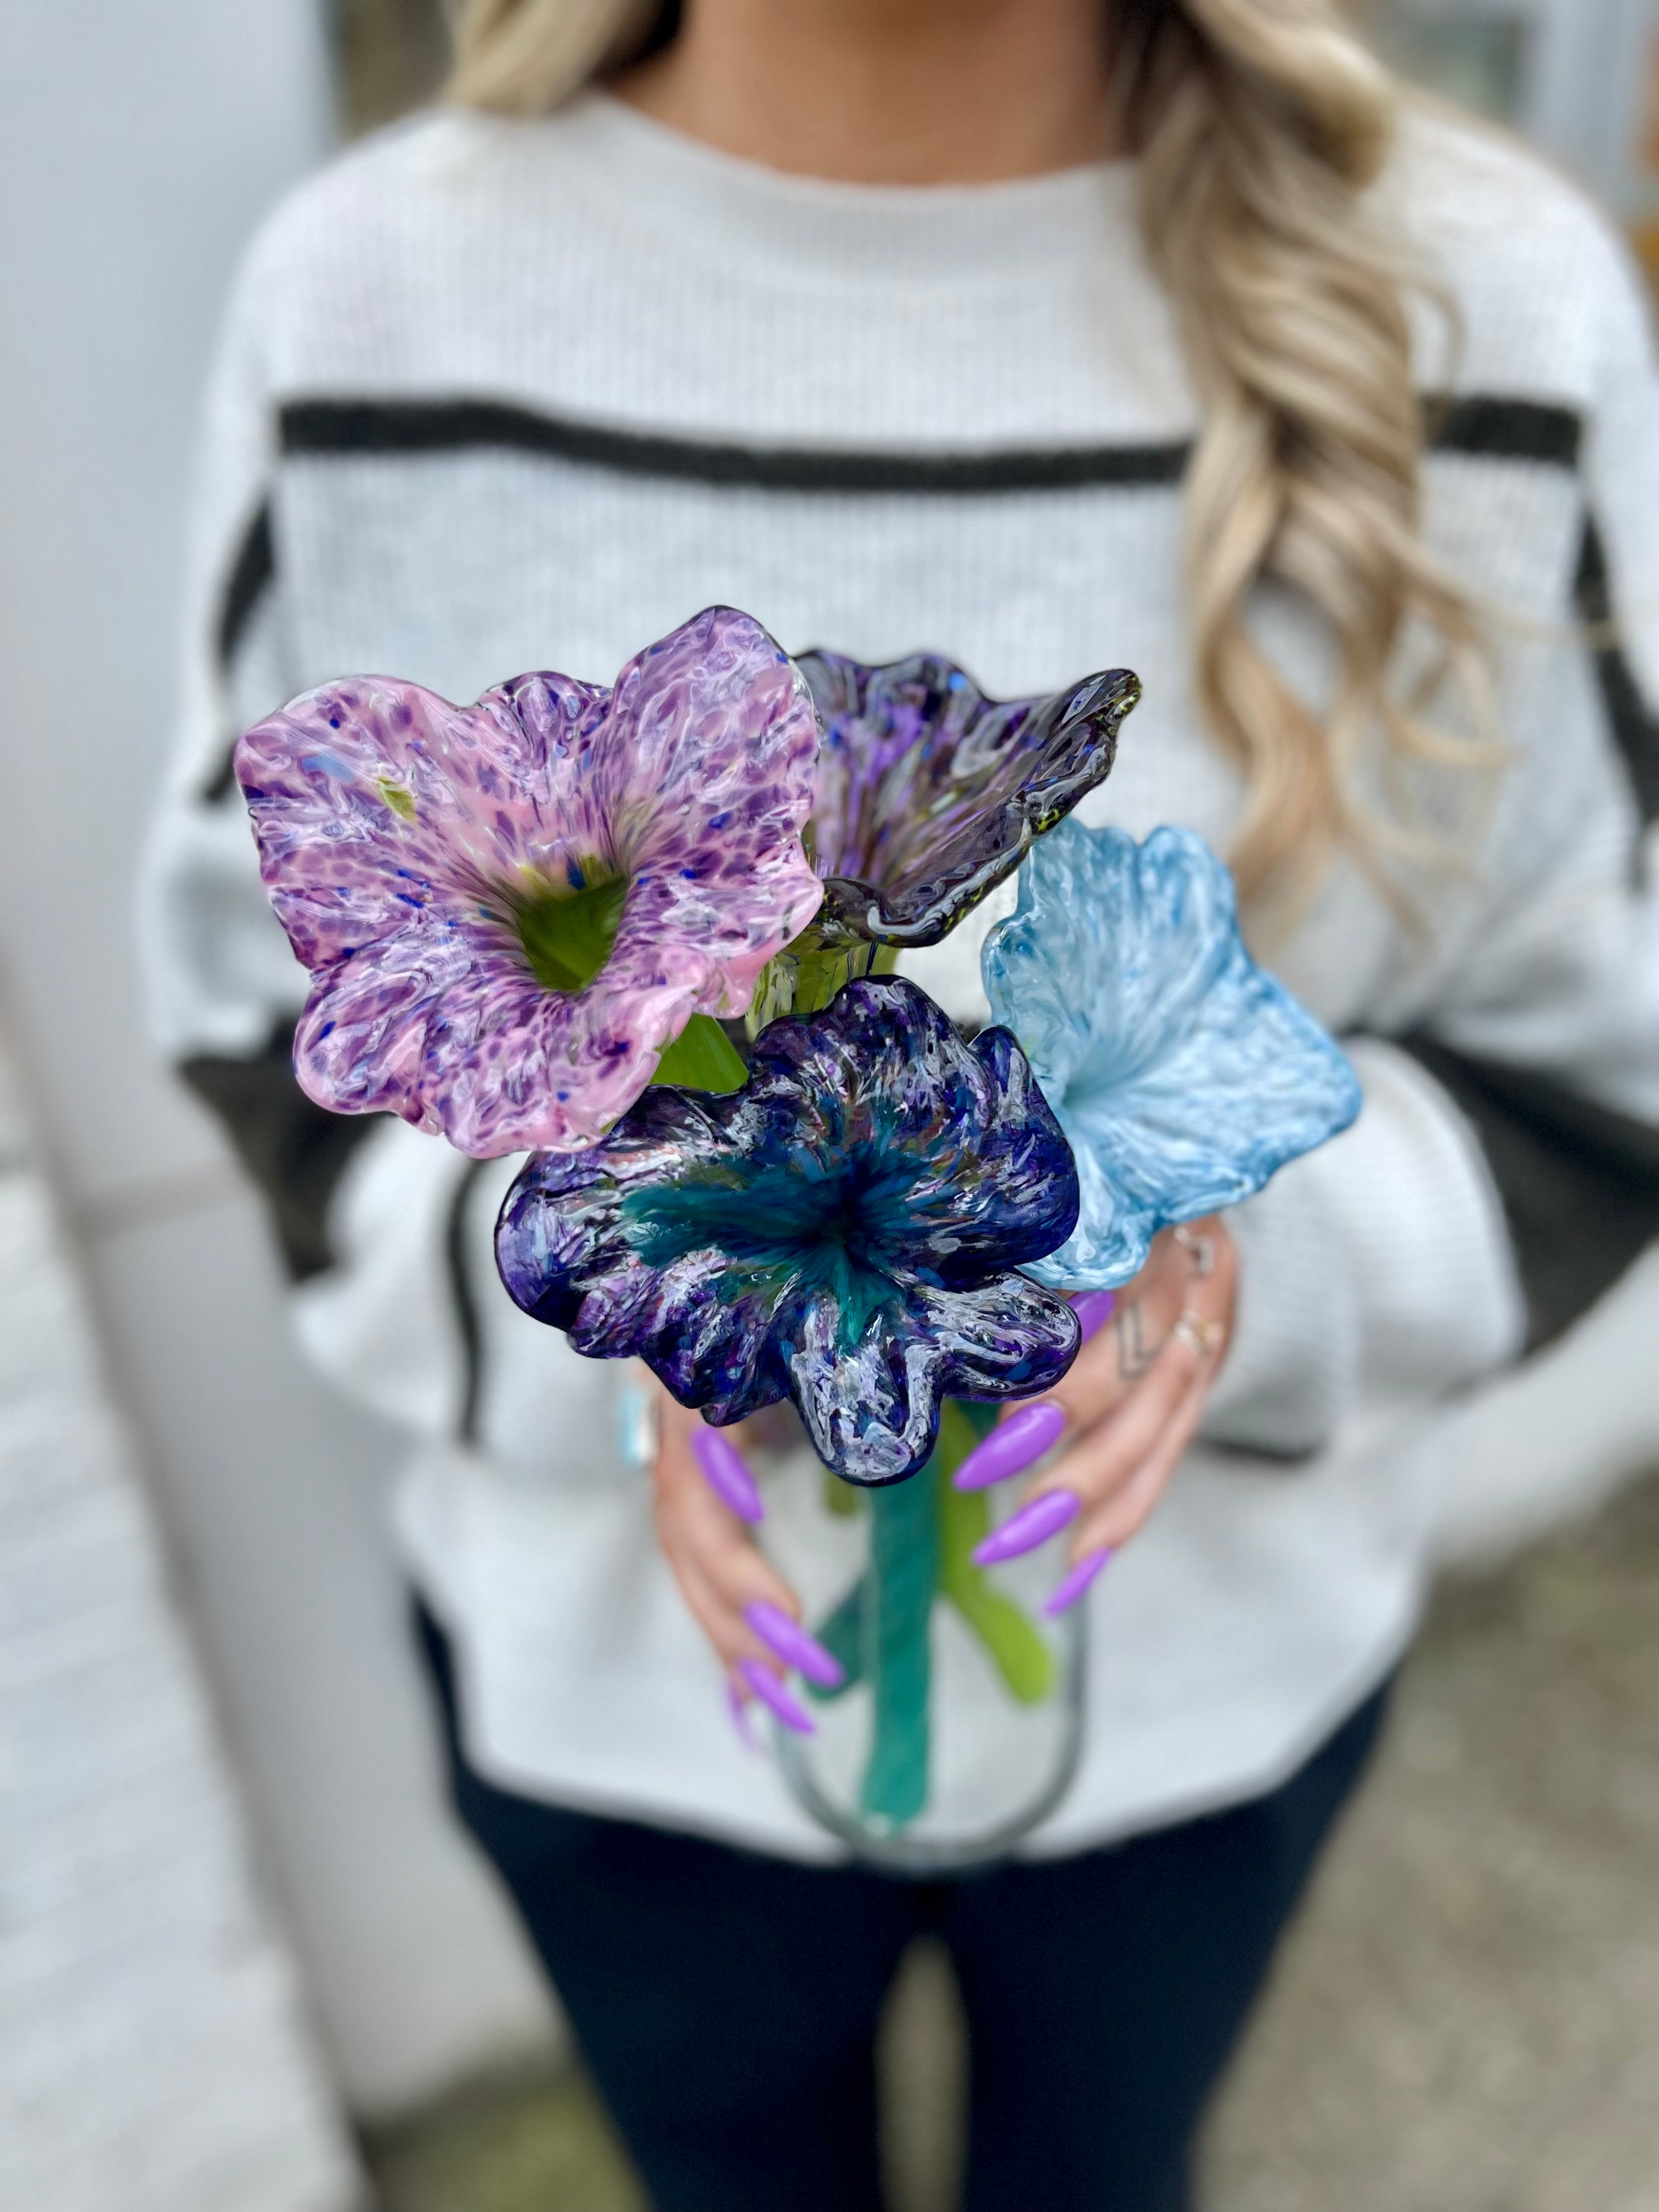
(726, 2003)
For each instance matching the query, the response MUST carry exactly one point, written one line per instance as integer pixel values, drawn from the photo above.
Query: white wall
(138, 146)
(1585, 69)
(153, 2058)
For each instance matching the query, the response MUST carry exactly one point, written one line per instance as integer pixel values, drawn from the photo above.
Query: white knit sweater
(500, 396)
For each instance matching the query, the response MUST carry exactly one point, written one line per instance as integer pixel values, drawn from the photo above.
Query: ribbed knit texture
(598, 274)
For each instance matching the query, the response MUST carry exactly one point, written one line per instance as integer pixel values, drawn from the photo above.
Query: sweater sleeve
(223, 986)
(1505, 1171)
(387, 1234)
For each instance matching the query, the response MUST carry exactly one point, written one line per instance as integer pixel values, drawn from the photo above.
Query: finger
(1098, 1469)
(1100, 1486)
(1078, 1577)
(1025, 1432)
(718, 1566)
(1093, 1309)
(771, 1693)
(727, 1620)
(1090, 1472)
(731, 1575)
(1031, 1525)
(737, 1704)
(1105, 1456)
(1110, 1525)
(719, 1622)
(1109, 1367)
(1018, 1441)
(727, 1473)
(783, 1635)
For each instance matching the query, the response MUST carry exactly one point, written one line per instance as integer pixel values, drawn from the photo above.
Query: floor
(1465, 2020)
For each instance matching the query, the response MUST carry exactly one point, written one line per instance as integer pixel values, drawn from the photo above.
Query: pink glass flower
(512, 911)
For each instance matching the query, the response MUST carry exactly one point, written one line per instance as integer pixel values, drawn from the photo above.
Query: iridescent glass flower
(844, 1232)
(516, 914)
(929, 794)
(1183, 1074)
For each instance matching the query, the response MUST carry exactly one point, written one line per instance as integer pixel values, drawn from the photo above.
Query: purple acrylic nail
(737, 1706)
(1094, 1308)
(1011, 1447)
(771, 1693)
(1032, 1525)
(724, 1472)
(793, 1645)
(1067, 1593)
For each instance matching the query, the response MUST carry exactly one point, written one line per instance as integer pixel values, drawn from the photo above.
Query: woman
(1048, 333)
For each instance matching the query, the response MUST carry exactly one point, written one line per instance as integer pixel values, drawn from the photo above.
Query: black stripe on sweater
(252, 573)
(464, 1301)
(1482, 426)
(1579, 1182)
(1485, 427)
(349, 428)
(294, 1151)
(1630, 722)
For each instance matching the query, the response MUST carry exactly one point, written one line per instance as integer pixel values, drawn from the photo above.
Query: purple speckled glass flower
(929, 794)
(843, 1231)
(512, 910)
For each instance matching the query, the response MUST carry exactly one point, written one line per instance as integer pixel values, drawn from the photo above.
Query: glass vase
(959, 1724)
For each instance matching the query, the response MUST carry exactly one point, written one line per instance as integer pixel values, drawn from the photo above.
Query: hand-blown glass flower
(1183, 1076)
(929, 793)
(843, 1231)
(512, 911)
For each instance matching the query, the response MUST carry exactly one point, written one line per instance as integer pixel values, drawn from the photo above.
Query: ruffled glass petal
(1183, 1075)
(401, 839)
(843, 1231)
(929, 794)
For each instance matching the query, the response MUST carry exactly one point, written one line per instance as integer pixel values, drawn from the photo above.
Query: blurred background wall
(138, 147)
(1578, 77)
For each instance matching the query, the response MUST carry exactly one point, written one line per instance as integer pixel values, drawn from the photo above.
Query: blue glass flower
(929, 794)
(1183, 1076)
(844, 1230)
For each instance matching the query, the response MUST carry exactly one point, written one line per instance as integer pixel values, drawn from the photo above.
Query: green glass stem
(1011, 1643)
(806, 974)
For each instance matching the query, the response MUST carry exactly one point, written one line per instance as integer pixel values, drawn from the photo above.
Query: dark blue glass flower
(844, 1232)
(1184, 1076)
(928, 794)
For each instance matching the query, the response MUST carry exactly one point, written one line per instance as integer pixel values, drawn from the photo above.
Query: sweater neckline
(1020, 230)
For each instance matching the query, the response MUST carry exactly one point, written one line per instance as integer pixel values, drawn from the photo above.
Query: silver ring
(1198, 1248)
(1206, 1338)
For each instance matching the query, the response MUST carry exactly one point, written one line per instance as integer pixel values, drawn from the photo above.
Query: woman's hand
(1126, 1412)
(706, 1502)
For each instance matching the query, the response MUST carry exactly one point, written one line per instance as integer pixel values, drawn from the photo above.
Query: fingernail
(738, 1707)
(1072, 1589)
(766, 1686)
(1032, 1525)
(1011, 1447)
(724, 1472)
(1093, 1311)
(793, 1645)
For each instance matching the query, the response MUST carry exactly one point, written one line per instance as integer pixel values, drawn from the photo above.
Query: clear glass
(961, 1724)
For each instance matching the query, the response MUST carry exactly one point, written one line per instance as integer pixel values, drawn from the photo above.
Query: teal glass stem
(922, 1534)
(897, 1647)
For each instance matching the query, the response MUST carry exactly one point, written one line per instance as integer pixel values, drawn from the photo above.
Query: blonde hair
(1261, 124)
